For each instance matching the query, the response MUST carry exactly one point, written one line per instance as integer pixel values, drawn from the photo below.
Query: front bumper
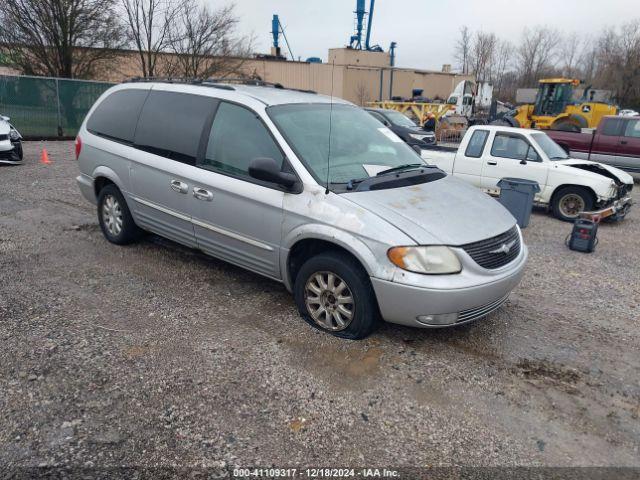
(437, 308)
(615, 211)
(10, 153)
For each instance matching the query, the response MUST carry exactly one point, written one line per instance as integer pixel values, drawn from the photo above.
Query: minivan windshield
(548, 146)
(360, 146)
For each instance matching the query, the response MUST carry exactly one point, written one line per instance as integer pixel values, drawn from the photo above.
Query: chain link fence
(47, 107)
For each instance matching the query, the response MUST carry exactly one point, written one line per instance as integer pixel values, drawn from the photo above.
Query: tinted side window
(476, 144)
(171, 125)
(237, 137)
(612, 127)
(507, 146)
(117, 115)
(633, 129)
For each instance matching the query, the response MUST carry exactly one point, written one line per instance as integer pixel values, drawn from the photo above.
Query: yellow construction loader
(556, 109)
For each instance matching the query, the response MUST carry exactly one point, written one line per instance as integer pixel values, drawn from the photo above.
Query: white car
(10, 143)
(568, 186)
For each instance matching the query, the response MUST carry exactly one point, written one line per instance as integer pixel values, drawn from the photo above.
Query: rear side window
(237, 137)
(171, 125)
(117, 115)
(633, 129)
(612, 127)
(476, 144)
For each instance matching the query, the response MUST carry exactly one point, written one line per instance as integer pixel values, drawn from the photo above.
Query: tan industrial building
(355, 75)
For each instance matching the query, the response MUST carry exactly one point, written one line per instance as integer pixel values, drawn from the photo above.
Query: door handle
(623, 142)
(492, 163)
(178, 186)
(202, 194)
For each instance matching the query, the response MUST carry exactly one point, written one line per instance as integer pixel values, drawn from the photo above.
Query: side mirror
(267, 170)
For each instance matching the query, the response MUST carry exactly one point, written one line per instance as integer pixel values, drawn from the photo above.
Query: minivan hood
(444, 212)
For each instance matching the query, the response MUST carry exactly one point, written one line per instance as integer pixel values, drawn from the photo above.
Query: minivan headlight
(14, 134)
(420, 137)
(427, 260)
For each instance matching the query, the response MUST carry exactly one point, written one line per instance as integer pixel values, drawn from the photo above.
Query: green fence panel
(47, 107)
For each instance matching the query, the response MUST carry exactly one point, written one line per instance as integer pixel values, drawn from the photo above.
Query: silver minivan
(306, 190)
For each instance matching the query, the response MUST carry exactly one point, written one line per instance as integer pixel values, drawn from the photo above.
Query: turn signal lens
(425, 260)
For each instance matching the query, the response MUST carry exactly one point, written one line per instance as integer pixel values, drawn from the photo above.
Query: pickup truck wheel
(569, 202)
(115, 219)
(334, 294)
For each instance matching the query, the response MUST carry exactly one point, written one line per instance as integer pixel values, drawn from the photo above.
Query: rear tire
(334, 294)
(569, 202)
(115, 219)
(566, 126)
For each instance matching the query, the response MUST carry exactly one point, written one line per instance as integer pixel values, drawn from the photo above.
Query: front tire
(334, 294)
(115, 219)
(569, 202)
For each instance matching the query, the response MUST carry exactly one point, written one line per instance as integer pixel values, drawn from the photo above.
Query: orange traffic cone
(44, 158)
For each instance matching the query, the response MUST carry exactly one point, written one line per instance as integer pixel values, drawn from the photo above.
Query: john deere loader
(555, 108)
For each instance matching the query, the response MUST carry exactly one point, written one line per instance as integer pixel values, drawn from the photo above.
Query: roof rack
(221, 83)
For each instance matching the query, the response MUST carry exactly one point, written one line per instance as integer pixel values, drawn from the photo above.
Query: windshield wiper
(401, 167)
(353, 182)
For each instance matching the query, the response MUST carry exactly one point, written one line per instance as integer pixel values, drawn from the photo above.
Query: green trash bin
(516, 195)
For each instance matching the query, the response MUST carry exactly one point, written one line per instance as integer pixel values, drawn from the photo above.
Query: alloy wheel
(329, 301)
(112, 215)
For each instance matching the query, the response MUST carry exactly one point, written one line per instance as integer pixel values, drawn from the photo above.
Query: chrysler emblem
(504, 248)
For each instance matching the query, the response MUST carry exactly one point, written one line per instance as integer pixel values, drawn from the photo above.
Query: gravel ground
(156, 355)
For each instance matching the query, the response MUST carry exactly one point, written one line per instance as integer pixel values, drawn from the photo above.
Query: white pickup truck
(567, 186)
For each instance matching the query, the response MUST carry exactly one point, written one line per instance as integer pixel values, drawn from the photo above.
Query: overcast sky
(426, 30)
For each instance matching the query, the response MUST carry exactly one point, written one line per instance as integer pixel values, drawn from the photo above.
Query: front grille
(491, 253)
(624, 190)
(4, 137)
(479, 312)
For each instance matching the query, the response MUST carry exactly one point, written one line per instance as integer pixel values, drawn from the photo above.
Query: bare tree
(570, 55)
(619, 62)
(463, 49)
(150, 24)
(537, 53)
(362, 94)
(588, 61)
(59, 38)
(204, 42)
(501, 62)
(482, 55)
